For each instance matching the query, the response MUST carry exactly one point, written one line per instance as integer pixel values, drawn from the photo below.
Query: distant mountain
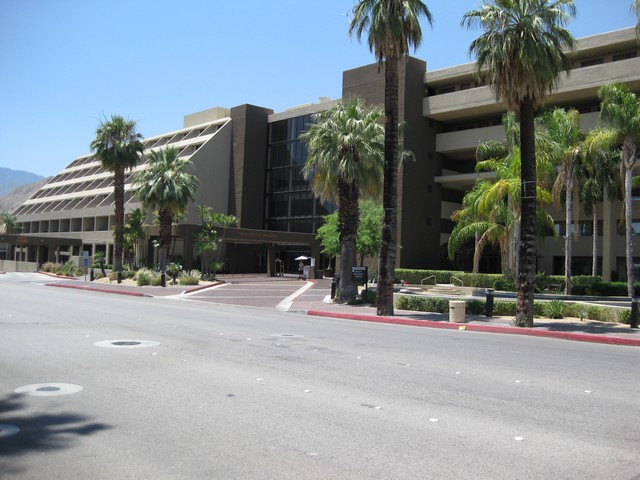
(12, 179)
(17, 197)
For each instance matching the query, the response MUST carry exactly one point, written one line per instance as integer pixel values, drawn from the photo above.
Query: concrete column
(271, 260)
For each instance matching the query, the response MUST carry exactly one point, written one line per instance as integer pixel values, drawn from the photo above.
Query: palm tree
(345, 160)
(134, 234)
(9, 223)
(521, 53)
(393, 27)
(118, 146)
(492, 227)
(165, 184)
(620, 116)
(599, 179)
(491, 210)
(563, 129)
(635, 8)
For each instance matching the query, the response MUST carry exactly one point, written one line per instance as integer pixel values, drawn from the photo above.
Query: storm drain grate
(126, 343)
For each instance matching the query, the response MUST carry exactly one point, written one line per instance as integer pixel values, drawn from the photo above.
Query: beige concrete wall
(212, 165)
(14, 266)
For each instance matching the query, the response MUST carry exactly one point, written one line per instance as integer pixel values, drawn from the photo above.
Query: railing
(427, 278)
(456, 278)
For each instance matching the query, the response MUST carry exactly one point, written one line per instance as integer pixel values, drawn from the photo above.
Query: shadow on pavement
(39, 432)
(587, 327)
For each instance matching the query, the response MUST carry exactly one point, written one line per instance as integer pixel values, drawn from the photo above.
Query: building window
(290, 202)
(624, 56)
(446, 90)
(591, 62)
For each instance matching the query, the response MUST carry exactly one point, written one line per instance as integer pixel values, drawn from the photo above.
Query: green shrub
(98, 275)
(423, 304)
(173, 270)
(50, 267)
(156, 279)
(555, 309)
(624, 316)
(372, 296)
(191, 277)
(475, 307)
(143, 277)
(70, 269)
(504, 285)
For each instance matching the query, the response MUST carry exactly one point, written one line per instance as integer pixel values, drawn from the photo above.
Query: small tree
(368, 236)
(9, 223)
(206, 240)
(99, 259)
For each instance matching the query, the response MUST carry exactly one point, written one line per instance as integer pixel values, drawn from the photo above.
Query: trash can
(457, 311)
(308, 272)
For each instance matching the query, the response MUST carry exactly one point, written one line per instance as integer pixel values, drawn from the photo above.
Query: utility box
(457, 311)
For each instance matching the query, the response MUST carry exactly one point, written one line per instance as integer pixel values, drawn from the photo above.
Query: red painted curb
(578, 337)
(204, 287)
(101, 290)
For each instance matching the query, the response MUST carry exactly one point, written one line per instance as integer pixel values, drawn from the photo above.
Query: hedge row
(502, 308)
(580, 284)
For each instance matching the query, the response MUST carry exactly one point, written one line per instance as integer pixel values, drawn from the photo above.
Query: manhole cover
(48, 389)
(287, 335)
(126, 343)
(8, 430)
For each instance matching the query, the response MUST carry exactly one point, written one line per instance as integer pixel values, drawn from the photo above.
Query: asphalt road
(247, 393)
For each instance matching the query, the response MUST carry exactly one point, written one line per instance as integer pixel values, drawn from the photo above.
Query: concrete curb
(101, 290)
(533, 332)
(53, 275)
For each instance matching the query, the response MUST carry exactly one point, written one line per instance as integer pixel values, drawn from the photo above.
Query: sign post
(361, 276)
(85, 263)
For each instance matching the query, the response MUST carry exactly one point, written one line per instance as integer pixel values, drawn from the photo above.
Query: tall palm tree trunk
(527, 250)
(165, 231)
(628, 220)
(348, 216)
(568, 238)
(594, 251)
(118, 197)
(387, 260)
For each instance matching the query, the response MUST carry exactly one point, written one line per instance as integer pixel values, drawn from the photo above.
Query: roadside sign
(360, 275)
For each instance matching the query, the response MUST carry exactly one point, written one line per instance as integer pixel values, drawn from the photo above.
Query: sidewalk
(315, 301)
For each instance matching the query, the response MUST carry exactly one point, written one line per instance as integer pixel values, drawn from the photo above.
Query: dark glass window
(278, 206)
(302, 204)
(278, 180)
(290, 204)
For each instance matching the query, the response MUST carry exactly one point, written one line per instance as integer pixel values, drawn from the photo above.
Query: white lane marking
(285, 304)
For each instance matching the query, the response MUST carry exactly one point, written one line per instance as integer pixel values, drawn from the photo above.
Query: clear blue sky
(67, 63)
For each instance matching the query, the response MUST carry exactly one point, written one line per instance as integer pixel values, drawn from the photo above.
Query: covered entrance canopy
(28, 252)
(270, 239)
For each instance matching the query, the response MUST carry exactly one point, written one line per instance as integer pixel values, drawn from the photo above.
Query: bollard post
(119, 276)
(335, 285)
(488, 304)
(634, 312)
(92, 276)
(163, 280)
